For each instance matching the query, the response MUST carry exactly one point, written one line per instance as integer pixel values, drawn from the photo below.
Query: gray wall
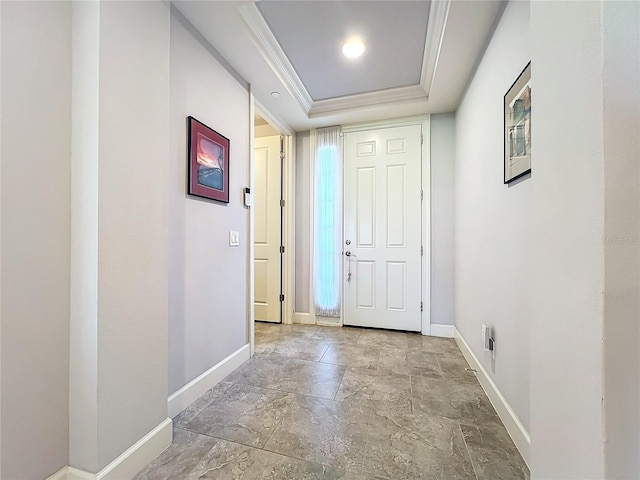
(565, 265)
(493, 237)
(35, 172)
(551, 262)
(303, 224)
(132, 231)
(621, 43)
(443, 151)
(118, 372)
(208, 280)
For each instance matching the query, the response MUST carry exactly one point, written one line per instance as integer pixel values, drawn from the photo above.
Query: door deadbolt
(348, 242)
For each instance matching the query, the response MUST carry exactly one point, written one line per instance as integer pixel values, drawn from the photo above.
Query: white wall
(119, 235)
(208, 281)
(264, 131)
(0, 241)
(83, 331)
(443, 151)
(567, 258)
(132, 211)
(493, 237)
(35, 172)
(621, 69)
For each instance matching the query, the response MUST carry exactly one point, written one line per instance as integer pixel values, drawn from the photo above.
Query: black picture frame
(517, 127)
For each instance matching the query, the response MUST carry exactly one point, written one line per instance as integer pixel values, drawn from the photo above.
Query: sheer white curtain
(327, 232)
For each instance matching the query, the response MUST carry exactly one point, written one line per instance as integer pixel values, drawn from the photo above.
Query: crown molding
(330, 106)
(275, 56)
(436, 25)
(272, 52)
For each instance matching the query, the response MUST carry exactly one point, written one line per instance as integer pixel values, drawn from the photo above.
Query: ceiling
(419, 55)
(389, 61)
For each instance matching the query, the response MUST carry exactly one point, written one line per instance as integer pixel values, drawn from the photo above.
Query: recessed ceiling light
(353, 48)
(275, 94)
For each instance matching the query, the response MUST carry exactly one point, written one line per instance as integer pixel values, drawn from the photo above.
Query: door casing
(288, 226)
(377, 166)
(424, 122)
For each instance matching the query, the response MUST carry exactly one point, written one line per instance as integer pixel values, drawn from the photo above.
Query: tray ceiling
(419, 57)
(311, 34)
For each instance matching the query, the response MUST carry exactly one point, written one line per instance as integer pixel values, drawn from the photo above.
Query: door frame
(288, 176)
(425, 122)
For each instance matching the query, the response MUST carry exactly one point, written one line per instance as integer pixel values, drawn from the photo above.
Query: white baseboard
(512, 423)
(134, 459)
(446, 331)
(197, 387)
(75, 474)
(140, 454)
(59, 475)
(328, 322)
(303, 318)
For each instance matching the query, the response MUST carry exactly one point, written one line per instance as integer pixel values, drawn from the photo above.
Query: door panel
(267, 228)
(383, 226)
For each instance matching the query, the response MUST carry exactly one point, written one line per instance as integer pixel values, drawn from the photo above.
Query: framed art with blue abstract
(208, 162)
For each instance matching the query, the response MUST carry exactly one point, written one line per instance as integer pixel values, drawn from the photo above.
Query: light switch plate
(234, 239)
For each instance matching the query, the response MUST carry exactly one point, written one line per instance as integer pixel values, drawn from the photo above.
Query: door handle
(349, 254)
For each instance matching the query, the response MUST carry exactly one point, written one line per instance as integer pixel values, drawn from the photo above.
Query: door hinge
(282, 297)
(421, 250)
(420, 306)
(281, 248)
(282, 202)
(421, 139)
(421, 194)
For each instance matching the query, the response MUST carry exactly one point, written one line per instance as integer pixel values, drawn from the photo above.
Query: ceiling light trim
(274, 55)
(436, 26)
(330, 106)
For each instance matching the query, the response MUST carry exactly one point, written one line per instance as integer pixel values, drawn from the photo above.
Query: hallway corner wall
(208, 279)
(303, 226)
(35, 171)
(621, 43)
(567, 262)
(492, 234)
(442, 189)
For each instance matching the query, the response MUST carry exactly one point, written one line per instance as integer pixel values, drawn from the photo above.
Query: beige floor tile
(493, 453)
(177, 461)
(410, 361)
(290, 375)
(245, 414)
(321, 403)
(463, 402)
(231, 461)
(381, 391)
(352, 355)
(411, 446)
(323, 431)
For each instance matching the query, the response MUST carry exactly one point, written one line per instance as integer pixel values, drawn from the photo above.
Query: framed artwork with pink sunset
(208, 168)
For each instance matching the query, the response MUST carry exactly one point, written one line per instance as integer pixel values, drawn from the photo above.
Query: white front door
(266, 205)
(383, 228)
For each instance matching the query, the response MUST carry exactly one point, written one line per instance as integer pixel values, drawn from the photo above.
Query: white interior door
(267, 232)
(383, 228)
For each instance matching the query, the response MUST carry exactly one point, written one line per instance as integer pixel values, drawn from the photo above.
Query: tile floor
(342, 403)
